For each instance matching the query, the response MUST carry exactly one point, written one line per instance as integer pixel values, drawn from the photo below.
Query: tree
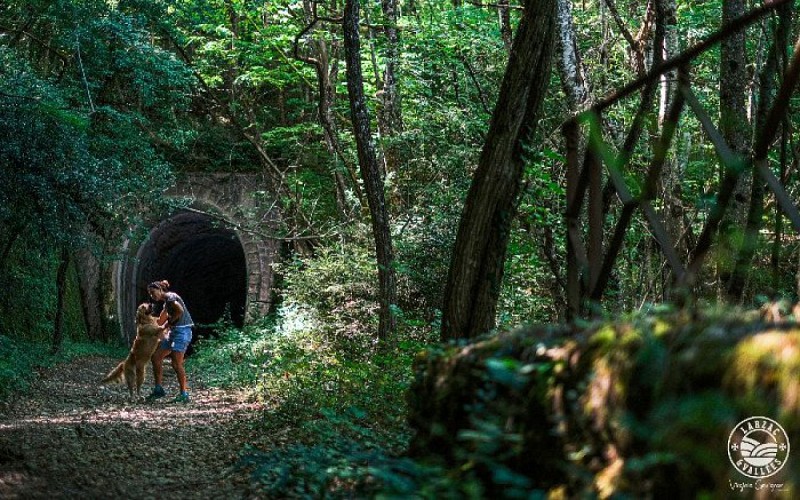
(766, 90)
(570, 67)
(370, 172)
(476, 269)
(734, 123)
(504, 16)
(390, 115)
(61, 291)
(85, 90)
(326, 67)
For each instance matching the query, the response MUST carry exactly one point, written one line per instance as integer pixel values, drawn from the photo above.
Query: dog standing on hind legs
(148, 335)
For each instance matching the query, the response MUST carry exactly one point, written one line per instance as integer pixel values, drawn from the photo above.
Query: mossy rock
(642, 407)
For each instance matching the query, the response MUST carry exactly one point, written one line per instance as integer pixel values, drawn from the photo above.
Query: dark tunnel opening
(204, 263)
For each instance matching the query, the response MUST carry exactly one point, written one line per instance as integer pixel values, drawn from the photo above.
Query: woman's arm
(174, 312)
(163, 317)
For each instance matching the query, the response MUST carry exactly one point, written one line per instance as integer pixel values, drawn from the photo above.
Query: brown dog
(148, 334)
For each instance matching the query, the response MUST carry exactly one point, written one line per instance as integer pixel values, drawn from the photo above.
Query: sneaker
(182, 398)
(158, 392)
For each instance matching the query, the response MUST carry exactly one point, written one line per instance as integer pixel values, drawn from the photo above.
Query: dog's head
(144, 310)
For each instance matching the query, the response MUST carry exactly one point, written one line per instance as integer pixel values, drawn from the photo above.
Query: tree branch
(474, 79)
(687, 55)
(496, 6)
(621, 24)
(11, 31)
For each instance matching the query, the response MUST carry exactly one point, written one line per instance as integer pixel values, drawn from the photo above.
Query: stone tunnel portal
(215, 266)
(204, 263)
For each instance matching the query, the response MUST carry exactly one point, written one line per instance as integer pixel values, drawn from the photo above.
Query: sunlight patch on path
(72, 437)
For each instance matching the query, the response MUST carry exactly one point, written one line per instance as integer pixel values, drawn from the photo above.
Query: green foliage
(335, 291)
(85, 92)
(344, 468)
(27, 312)
(73, 153)
(317, 366)
(338, 407)
(301, 373)
(17, 360)
(100, 99)
(20, 358)
(524, 408)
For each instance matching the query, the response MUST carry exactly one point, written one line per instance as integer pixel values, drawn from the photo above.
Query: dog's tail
(115, 375)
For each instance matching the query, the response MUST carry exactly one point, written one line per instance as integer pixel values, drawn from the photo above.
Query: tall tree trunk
(90, 278)
(390, 112)
(327, 73)
(666, 24)
(777, 243)
(373, 57)
(575, 87)
(766, 95)
(570, 67)
(370, 173)
(476, 269)
(672, 173)
(232, 73)
(504, 16)
(61, 292)
(326, 68)
(733, 122)
(390, 121)
(733, 95)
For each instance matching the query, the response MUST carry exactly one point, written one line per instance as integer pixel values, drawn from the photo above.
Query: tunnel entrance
(204, 263)
(212, 264)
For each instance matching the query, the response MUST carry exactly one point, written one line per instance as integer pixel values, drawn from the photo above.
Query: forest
(432, 248)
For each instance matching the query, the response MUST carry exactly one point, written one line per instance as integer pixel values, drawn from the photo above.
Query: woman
(180, 325)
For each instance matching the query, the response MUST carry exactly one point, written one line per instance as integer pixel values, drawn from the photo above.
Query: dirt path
(72, 438)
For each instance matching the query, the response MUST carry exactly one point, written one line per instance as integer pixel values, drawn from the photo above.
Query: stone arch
(216, 252)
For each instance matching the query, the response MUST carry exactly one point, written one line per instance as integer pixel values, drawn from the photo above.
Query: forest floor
(70, 437)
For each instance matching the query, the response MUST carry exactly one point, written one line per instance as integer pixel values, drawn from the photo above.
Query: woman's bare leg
(158, 364)
(177, 365)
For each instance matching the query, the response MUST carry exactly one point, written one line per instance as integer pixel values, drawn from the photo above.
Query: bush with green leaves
(335, 294)
(28, 311)
(19, 359)
(16, 365)
(341, 395)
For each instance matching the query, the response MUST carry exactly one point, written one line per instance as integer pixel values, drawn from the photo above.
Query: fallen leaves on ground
(71, 437)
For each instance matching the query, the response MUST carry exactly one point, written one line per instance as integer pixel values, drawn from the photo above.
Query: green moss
(639, 406)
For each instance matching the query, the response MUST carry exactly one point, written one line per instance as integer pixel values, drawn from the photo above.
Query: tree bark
(777, 243)
(570, 67)
(666, 23)
(326, 69)
(766, 95)
(672, 173)
(390, 121)
(733, 111)
(476, 269)
(11, 238)
(90, 279)
(61, 292)
(504, 16)
(390, 111)
(370, 173)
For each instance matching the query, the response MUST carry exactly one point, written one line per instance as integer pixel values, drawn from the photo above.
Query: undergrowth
(334, 411)
(335, 398)
(20, 359)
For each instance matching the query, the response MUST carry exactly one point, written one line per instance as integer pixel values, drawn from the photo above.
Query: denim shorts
(179, 339)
